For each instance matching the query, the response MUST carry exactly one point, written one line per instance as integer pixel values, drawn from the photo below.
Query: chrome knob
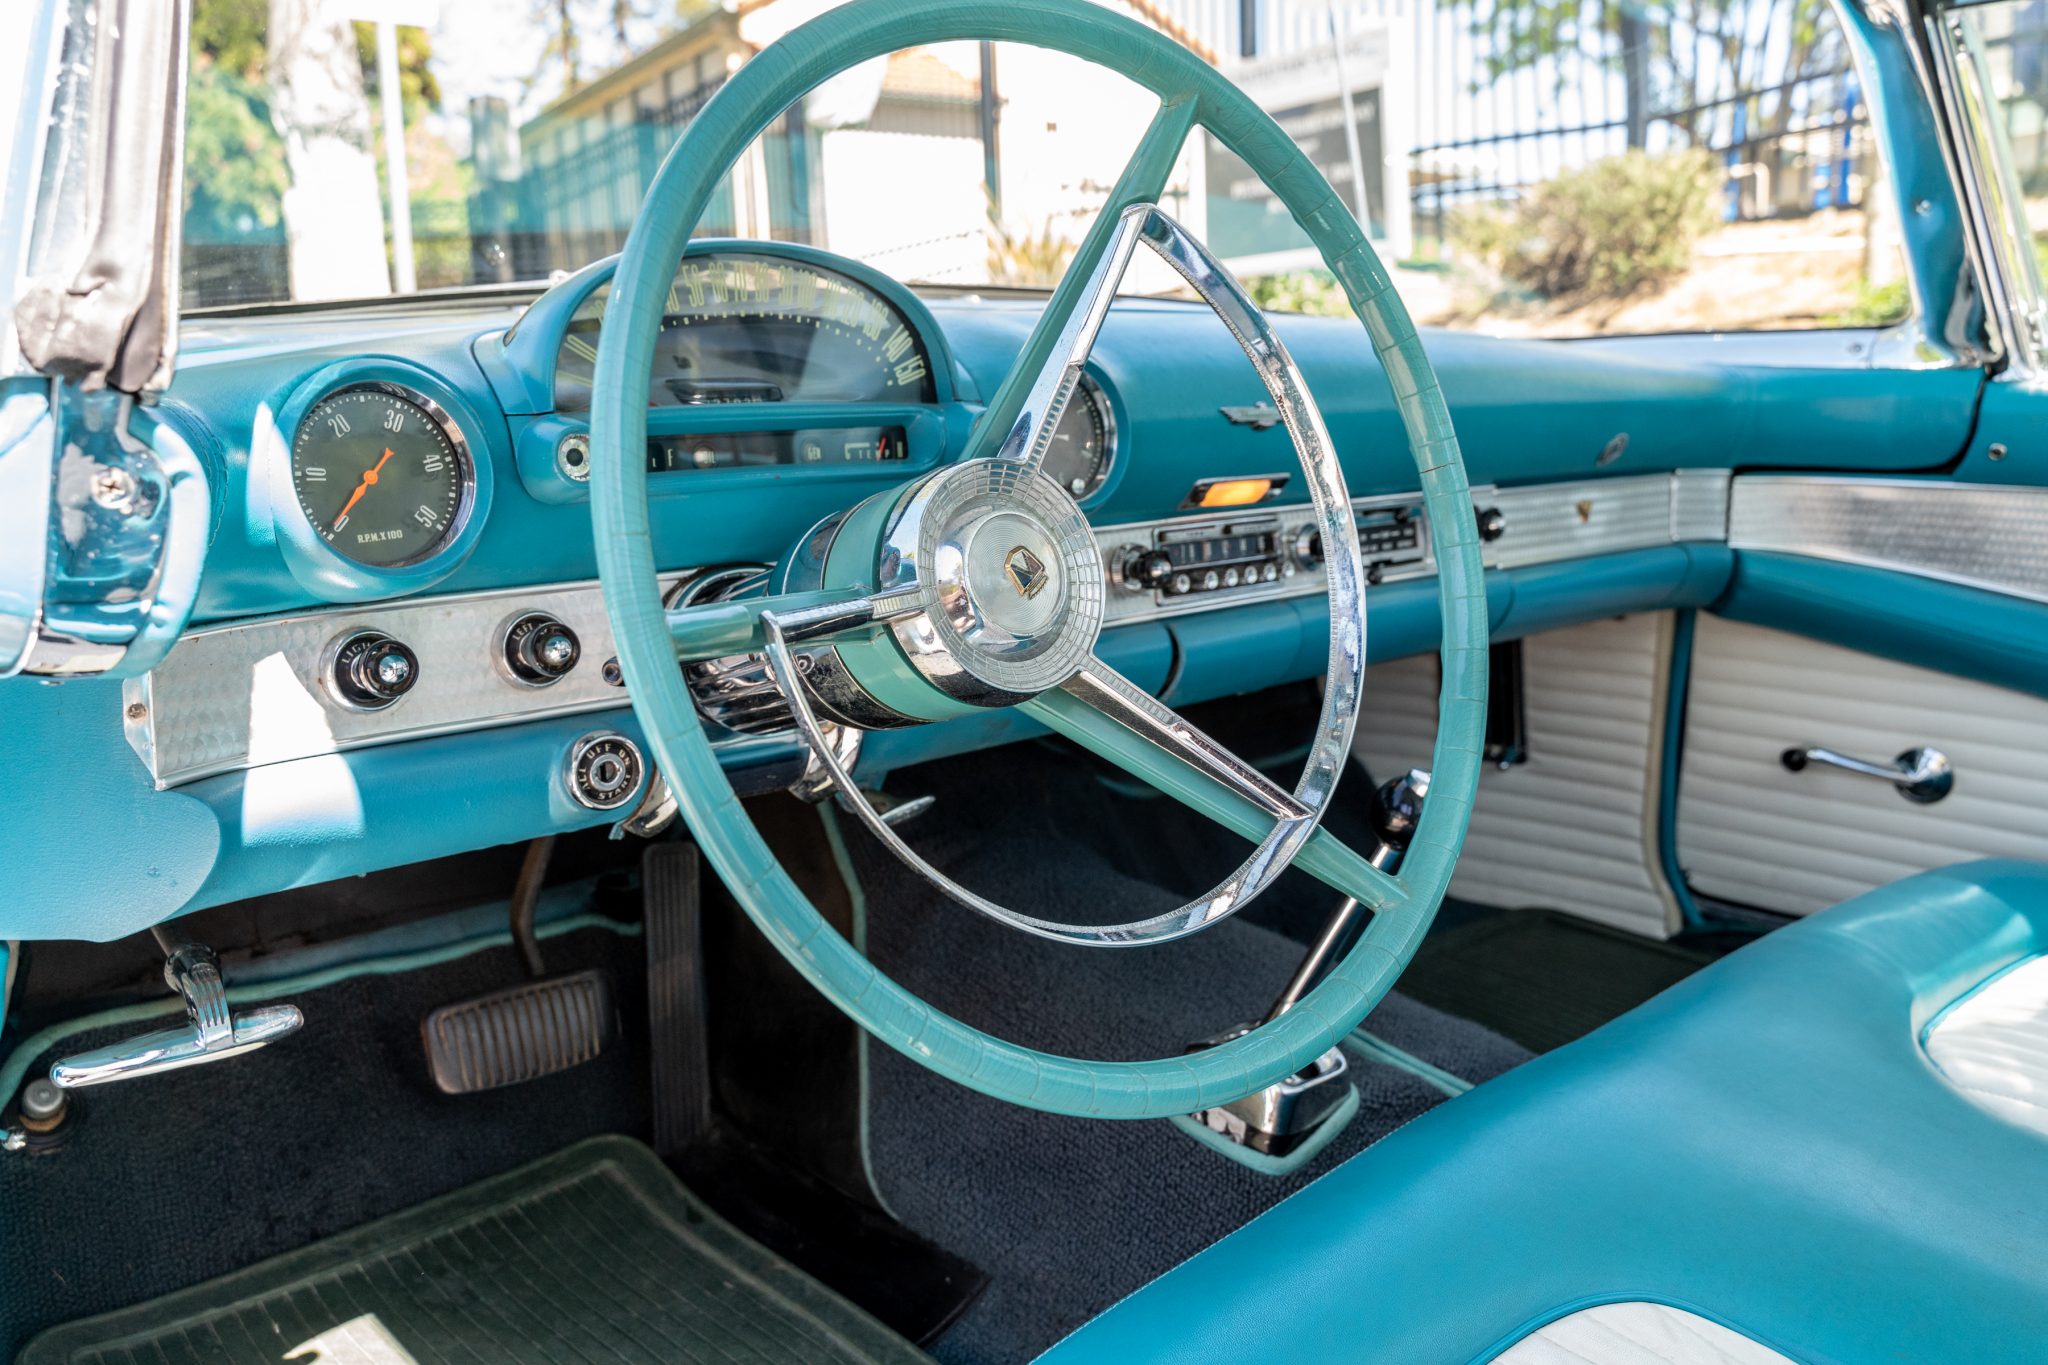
(1492, 525)
(1145, 570)
(1395, 812)
(540, 650)
(371, 670)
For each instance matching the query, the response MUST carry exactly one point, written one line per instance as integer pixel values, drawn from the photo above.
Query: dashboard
(379, 670)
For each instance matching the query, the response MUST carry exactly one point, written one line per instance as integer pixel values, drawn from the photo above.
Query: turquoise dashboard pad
(595, 1255)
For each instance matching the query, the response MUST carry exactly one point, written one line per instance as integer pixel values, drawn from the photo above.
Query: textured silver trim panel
(1980, 535)
(1699, 504)
(1553, 521)
(1752, 833)
(243, 695)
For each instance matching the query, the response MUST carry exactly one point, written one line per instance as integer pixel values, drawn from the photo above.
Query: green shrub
(1299, 291)
(1607, 230)
(1876, 305)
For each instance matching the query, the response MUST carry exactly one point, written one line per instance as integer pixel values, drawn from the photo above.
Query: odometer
(382, 474)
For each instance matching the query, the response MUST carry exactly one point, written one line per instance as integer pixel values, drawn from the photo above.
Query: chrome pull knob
(540, 650)
(1395, 812)
(371, 670)
(1922, 775)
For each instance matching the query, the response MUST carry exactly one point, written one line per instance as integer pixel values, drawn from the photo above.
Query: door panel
(1753, 833)
(1574, 827)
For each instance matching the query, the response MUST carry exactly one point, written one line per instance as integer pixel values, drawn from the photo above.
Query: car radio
(1217, 556)
(1190, 563)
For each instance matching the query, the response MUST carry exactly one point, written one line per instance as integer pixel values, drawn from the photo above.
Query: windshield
(1567, 168)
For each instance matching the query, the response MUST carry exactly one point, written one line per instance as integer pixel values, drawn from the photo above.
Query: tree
(234, 159)
(1676, 57)
(333, 211)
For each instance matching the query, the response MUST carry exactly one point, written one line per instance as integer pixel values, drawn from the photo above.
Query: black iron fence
(1785, 150)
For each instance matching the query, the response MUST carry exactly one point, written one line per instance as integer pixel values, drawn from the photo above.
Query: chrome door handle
(1922, 775)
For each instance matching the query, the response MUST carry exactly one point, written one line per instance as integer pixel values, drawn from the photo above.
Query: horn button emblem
(1026, 572)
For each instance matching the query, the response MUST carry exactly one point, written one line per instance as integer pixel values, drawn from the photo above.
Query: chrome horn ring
(970, 644)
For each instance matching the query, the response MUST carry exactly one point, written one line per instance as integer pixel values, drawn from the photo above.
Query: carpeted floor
(1543, 978)
(1068, 1215)
(196, 1173)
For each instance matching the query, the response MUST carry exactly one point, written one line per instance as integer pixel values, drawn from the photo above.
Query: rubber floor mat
(596, 1255)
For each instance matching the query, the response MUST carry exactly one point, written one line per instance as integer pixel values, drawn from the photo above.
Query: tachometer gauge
(383, 474)
(1084, 443)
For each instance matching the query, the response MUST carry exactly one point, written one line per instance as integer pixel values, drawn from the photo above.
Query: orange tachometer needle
(369, 477)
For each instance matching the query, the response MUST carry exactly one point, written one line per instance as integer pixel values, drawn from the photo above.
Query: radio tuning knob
(1144, 569)
(1492, 525)
(540, 650)
(371, 670)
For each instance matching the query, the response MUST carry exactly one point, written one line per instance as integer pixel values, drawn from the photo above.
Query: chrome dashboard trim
(252, 693)
(249, 693)
(1545, 524)
(1988, 536)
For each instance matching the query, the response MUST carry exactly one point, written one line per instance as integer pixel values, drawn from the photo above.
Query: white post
(1400, 94)
(392, 98)
(1360, 201)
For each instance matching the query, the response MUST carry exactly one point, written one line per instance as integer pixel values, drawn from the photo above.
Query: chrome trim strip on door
(1987, 536)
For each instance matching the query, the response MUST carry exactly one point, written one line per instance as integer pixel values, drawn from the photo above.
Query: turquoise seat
(1766, 1145)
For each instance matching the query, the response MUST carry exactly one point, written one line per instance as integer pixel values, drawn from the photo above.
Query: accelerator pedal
(521, 1034)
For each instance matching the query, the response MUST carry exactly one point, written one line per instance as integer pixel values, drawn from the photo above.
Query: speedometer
(1083, 443)
(745, 327)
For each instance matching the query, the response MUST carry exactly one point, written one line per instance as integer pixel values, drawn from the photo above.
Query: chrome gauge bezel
(324, 571)
(451, 431)
(1091, 390)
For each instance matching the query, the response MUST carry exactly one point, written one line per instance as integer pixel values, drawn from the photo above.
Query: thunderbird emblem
(1257, 416)
(1026, 572)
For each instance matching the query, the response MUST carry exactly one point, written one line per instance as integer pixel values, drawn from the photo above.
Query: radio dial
(1146, 570)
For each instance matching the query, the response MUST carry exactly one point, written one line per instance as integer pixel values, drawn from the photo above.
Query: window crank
(1922, 775)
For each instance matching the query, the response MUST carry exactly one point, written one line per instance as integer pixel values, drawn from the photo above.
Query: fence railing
(1817, 153)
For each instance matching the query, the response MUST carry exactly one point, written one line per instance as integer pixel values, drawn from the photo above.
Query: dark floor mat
(1543, 978)
(595, 1255)
(182, 1177)
(1067, 1215)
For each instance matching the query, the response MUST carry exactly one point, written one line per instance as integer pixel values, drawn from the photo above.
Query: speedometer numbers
(741, 327)
(382, 474)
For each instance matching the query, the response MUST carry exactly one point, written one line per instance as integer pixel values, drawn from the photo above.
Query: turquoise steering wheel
(980, 585)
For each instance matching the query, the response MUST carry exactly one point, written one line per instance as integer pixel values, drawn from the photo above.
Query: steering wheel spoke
(1019, 421)
(717, 630)
(1114, 718)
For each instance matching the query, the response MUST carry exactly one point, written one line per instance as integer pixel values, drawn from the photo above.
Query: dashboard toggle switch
(539, 650)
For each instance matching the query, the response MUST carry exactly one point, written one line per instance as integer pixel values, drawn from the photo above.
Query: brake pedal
(521, 1034)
